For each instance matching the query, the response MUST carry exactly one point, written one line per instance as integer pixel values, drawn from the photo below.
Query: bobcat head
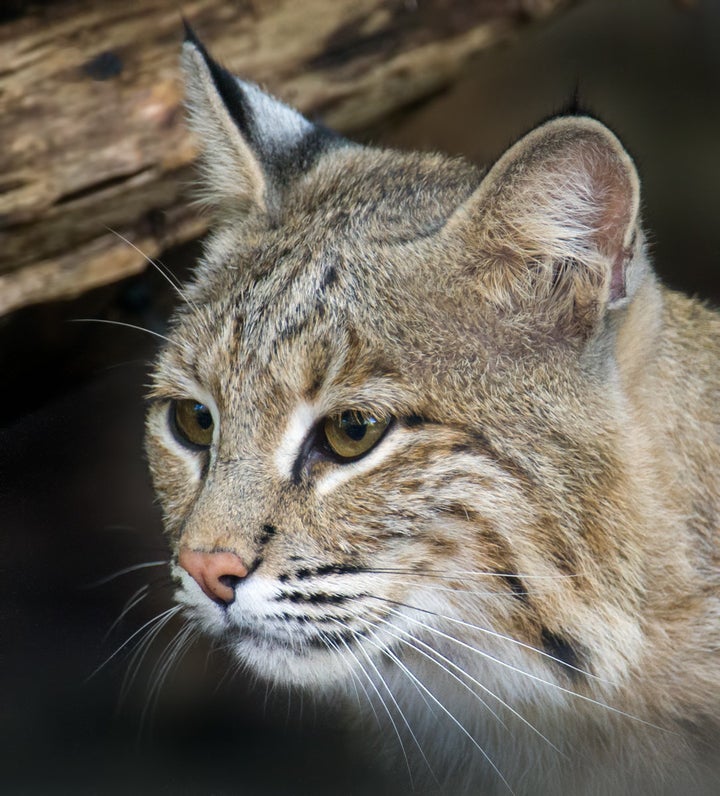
(400, 432)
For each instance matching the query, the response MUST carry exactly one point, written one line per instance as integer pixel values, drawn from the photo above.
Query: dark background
(75, 501)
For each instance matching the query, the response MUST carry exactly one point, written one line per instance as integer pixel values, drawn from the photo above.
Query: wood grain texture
(92, 135)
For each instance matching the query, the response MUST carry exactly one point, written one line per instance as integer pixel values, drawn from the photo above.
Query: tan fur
(548, 488)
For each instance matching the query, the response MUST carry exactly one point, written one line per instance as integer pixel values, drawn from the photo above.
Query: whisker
(477, 593)
(136, 598)
(124, 571)
(384, 705)
(412, 644)
(392, 697)
(159, 266)
(391, 655)
(123, 324)
(138, 656)
(168, 656)
(464, 573)
(174, 652)
(480, 685)
(355, 681)
(330, 643)
(516, 669)
(495, 634)
(167, 614)
(230, 672)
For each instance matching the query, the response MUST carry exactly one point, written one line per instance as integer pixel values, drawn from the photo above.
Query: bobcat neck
(667, 358)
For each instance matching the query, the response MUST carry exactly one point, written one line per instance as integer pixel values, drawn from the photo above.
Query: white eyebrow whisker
(160, 267)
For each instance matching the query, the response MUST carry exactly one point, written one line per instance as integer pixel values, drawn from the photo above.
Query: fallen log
(92, 136)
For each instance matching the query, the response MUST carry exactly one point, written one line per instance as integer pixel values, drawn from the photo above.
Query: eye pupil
(202, 416)
(353, 425)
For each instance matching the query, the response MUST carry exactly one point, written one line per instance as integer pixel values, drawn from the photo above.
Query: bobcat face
(359, 283)
(394, 432)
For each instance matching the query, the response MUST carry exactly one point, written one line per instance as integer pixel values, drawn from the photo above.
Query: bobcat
(440, 439)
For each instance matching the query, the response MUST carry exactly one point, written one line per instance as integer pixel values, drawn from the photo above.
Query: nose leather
(216, 572)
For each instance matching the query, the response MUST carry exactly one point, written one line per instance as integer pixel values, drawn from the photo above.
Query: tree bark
(93, 146)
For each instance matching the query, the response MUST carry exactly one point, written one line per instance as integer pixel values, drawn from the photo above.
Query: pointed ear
(252, 145)
(553, 225)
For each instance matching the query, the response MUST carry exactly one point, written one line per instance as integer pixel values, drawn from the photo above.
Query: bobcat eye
(352, 434)
(193, 423)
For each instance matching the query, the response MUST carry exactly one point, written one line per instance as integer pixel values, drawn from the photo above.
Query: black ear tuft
(285, 142)
(189, 32)
(576, 105)
(226, 85)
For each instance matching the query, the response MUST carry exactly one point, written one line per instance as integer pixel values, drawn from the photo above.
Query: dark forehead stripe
(296, 291)
(300, 317)
(328, 278)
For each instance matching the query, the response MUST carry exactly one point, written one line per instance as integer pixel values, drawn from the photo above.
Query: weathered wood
(91, 126)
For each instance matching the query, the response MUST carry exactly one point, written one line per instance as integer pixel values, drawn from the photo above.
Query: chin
(312, 668)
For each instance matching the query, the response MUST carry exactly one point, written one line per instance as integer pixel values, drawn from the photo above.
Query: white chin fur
(317, 669)
(275, 656)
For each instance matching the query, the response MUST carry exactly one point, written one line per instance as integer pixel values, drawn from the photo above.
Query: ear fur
(252, 145)
(553, 226)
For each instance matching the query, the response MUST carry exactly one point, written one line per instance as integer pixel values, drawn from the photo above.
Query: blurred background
(75, 501)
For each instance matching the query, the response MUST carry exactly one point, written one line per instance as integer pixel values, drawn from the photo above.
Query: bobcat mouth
(319, 640)
(299, 633)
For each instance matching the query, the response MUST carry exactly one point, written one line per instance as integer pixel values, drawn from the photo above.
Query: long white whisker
(230, 672)
(331, 645)
(162, 269)
(165, 614)
(464, 573)
(174, 652)
(390, 694)
(125, 571)
(494, 634)
(412, 643)
(530, 676)
(136, 598)
(378, 617)
(390, 654)
(126, 325)
(449, 662)
(477, 592)
(384, 705)
(138, 656)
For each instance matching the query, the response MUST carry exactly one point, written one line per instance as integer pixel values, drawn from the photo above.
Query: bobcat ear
(252, 145)
(553, 225)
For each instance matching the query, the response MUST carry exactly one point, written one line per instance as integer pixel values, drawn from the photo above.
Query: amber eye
(193, 422)
(352, 433)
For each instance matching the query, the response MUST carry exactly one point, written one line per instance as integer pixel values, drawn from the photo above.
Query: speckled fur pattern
(525, 570)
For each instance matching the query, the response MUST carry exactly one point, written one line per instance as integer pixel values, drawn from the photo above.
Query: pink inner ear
(617, 276)
(614, 195)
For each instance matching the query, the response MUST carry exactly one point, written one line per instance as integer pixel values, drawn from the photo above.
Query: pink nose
(217, 574)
